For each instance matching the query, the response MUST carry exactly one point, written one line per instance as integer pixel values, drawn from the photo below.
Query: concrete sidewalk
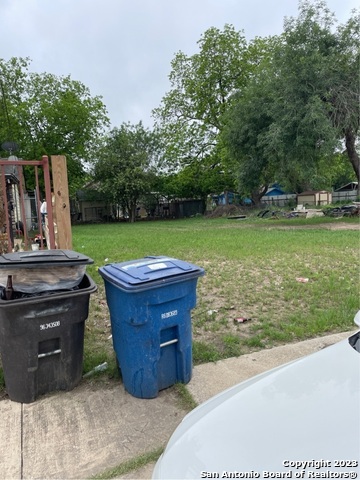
(95, 427)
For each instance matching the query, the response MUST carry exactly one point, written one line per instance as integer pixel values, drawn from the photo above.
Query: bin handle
(170, 342)
(48, 312)
(47, 354)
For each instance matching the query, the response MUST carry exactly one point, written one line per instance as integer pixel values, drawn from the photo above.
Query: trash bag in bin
(43, 270)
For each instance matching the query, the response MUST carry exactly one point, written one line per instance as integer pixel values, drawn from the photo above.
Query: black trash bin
(42, 325)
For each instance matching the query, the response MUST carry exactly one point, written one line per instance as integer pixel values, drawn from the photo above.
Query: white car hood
(306, 410)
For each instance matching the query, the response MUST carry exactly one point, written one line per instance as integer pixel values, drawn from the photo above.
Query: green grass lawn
(252, 270)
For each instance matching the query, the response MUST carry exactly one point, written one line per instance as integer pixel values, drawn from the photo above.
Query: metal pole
(38, 205)
(22, 205)
(6, 207)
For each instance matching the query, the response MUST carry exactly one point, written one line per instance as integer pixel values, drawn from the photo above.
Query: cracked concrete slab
(80, 433)
(97, 426)
(10, 439)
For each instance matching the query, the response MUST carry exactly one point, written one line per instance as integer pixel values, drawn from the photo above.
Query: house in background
(275, 195)
(224, 198)
(346, 193)
(274, 190)
(182, 208)
(90, 206)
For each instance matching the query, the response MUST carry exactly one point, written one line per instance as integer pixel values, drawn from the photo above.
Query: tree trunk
(132, 212)
(352, 153)
(257, 195)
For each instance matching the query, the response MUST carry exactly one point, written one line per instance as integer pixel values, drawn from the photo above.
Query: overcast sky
(122, 49)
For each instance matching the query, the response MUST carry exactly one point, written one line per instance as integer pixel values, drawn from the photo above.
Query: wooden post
(61, 203)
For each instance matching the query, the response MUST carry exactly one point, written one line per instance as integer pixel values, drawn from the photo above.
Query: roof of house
(348, 186)
(274, 191)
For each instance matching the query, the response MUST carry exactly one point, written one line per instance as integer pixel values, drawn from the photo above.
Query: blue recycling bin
(150, 302)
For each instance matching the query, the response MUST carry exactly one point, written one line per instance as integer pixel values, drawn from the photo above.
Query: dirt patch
(341, 226)
(326, 226)
(227, 211)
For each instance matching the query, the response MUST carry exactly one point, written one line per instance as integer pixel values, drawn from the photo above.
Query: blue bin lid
(148, 272)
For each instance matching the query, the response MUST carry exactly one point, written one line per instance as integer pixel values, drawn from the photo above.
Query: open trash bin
(150, 302)
(42, 321)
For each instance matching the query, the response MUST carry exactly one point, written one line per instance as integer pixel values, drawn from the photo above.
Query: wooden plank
(61, 202)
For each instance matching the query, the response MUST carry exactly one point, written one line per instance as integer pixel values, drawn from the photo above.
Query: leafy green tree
(245, 139)
(316, 88)
(198, 180)
(49, 115)
(300, 108)
(190, 115)
(126, 165)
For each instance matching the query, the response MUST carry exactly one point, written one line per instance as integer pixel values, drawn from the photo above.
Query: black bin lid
(43, 258)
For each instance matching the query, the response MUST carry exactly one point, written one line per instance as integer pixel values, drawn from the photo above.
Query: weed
(203, 353)
(186, 400)
(255, 342)
(130, 465)
(231, 346)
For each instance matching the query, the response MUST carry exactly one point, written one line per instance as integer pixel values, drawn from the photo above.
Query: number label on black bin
(45, 326)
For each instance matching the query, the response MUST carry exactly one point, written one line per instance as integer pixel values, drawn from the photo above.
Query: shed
(316, 197)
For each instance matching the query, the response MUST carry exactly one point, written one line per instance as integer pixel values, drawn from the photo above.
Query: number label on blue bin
(173, 313)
